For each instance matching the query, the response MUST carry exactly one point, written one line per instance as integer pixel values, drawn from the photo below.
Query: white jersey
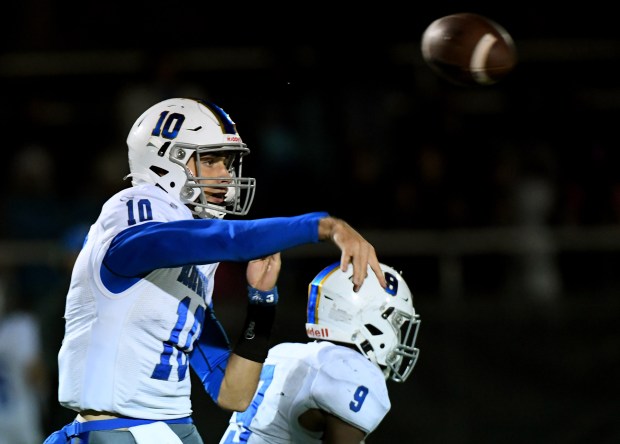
(20, 404)
(297, 377)
(123, 346)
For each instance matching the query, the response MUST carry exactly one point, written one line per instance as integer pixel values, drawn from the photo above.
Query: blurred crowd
(383, 148)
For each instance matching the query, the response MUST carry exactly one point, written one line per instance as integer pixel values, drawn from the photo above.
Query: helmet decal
(166, 132)
(314, 293)
(392, 283)
(227, 125)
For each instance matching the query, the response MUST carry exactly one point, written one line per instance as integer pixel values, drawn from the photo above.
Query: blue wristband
(259, 297)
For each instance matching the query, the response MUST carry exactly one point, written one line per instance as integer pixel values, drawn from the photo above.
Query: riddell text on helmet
(317, 332)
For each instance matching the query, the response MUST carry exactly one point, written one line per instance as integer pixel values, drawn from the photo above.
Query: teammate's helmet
(381, 323)
(168, 134)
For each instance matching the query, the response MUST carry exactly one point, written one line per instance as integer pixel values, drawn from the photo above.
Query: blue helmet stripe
(228, 126)
(313, 291)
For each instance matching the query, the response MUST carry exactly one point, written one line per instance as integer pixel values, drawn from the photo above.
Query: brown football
(468, 49)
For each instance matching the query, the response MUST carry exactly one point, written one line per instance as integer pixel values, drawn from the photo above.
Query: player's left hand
(263, 273)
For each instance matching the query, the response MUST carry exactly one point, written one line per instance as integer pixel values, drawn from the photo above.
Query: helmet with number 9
(170, 133)
(381, 323)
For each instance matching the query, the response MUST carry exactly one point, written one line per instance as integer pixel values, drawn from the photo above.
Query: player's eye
(212, 160)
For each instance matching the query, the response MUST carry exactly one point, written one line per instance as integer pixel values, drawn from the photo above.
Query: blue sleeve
(139, 250)
(210, 355)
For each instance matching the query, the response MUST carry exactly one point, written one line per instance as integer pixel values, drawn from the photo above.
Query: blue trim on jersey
(315, 285)
(115, 283)
(81, 430)
(210, 354)
(140, 249)
(244, 419)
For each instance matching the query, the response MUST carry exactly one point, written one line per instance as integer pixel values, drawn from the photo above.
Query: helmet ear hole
(158, 170)
(373, 330)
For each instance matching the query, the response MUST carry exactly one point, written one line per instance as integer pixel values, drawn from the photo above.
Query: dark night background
(500, 204)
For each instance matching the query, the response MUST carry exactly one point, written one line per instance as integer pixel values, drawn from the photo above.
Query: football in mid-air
(468, 49)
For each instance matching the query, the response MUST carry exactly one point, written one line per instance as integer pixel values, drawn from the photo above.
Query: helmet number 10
(168, 126)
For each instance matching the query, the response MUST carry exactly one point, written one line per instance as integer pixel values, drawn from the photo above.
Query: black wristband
(255, 339)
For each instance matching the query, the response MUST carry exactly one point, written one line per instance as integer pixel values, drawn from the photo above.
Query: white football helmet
(381, 323)
(168, 134)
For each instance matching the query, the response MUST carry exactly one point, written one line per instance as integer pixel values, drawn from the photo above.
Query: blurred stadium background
(501, 205)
